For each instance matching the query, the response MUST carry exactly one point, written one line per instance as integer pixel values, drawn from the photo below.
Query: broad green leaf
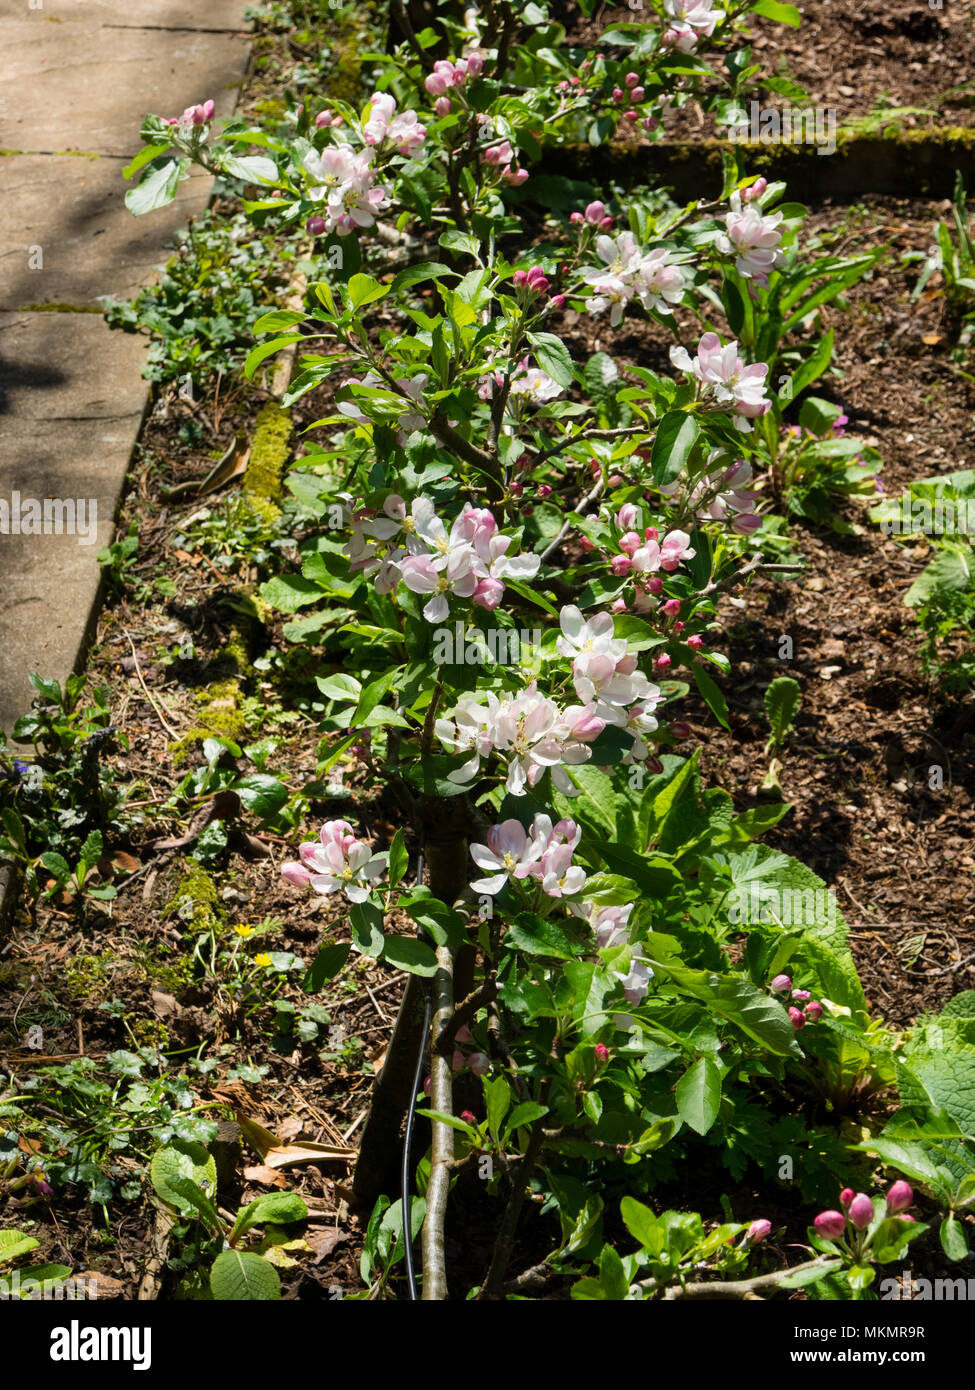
(279, 1208)
(157, 187)
(676, 436)
(331, 957)
(699, 1095)
(406, 953)
(399, 859)
(181, 1159)
(781, 705)
(540, 936)
(238, 1276)
(13, 1244)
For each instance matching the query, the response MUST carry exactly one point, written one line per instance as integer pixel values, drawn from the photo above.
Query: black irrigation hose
(405, 1195)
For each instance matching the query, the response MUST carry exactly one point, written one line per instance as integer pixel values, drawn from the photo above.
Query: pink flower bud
(576, 217)
(614, 480)
(801, 995)
(679, 627)
(297, 874)
(315, 226)
(602, 1052)
(637, 94)
(900, 1197)
(758, 1230)
(519, 279)
(605, 223)
(617, 94)
(208, 108)
(557, 301)
(475, 64)
(630, 542)
(426, 1085)
(813, 1012)
(586, 543)
(338, 120)
(543, 492)
(323, 119)
(655, 584)
(663, 662)
(436, 84)
(631, 115)
(671, 608)
(621, 565)
(516, 489)
(595, 212)
(781, 984)
(632, 79)
(695, 642)
(680, 729)
(618, 606)
(463, 1034)
(861, 1211)
(539, 284)
(654, 766)
(797, 1019)
(755, 190)
(846, 1197)
(468, 1117)
(905, 1216)
(650, 123)
(480, 1063)
(458, 1061)
(442, 106)
(830, 1224)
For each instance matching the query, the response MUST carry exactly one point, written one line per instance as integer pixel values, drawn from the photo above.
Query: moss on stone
(198, 889)
(54, 308)
(270, 450)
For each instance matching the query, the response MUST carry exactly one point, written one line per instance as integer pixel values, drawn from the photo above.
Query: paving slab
(94, 246)
(71, 407)
(114, 76)
(145, 14)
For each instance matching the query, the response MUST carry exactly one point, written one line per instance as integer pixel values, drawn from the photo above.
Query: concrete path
(76, 78)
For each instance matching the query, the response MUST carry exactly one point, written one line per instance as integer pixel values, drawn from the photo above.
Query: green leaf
(406, 953)
(289, 592)
(641, 1223)
(414, 274)
(553, 357)
(194, 1196)
(954, 1241)
(13, 1244)
(181, 1159)
(525, 1114)
(257, 354)
(740, 1002)
(261, 793)
(699, 1095)
(711, 694)
(399, 859)
(278, 320)
(772, 9)
(331, 957)
(612, 1275)
(367, 929)
(497, 1095)
(677, 434)
(157, 187)
(57, 865)
(540, 936)
(363, 289)
(781, 705)
(250, 168)
(239, 1276)
(147, 153)
(279, 1208)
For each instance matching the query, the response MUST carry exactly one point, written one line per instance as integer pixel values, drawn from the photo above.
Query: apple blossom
(861, 1211)
(337, 862)
(831, 1224)
(899, 1197)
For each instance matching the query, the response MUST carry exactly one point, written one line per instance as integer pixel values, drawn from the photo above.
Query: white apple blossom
(336, 862)
(753, 238)
(724, 377)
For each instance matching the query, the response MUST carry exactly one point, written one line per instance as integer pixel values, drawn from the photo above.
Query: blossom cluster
(345, 183)
(447, 75)
(690, 20)
(630, 272)
(528, 384)
(336, 863)
(724, 378)
(193, 116)
(610, 926)
(811, 1011)
(719, 494)
(544, 855)
(858, 1211)
(753, 238)
(402, 130)
(470, 561)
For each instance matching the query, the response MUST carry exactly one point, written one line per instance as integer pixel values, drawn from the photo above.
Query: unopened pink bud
(846, 1197)
(618, 606)
(680, 729)
(543, 491)
(557, 301)
(586, 543)
(755, 190)
(614, 480)
(797, 1019)
(801, 995)
(655, 766)
(861, 1211)
(632, 79)
(315, 226)
(671, 608)
(663, 662)
(631, 115)
(475, 64)
(637, 94)
(519, 279)
(781, 984)
(442, 106)
(900, 1197)
(758, 1230)
(605, 223)
(468, 1117)
(602, 1052)
(480, 1063)
(463, 1034)
(458, 1061)
(655, 584)
(830, 1224)
(695, 642)
(208, 109)
(576, 217)
(516, 489)
(427, 1083)
(436, 84)
(813, 1012)
(595, 212)
(323, 119)
(621, 565)
(617, 94)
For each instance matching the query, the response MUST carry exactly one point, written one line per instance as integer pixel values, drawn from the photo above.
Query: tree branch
(442, 1147)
